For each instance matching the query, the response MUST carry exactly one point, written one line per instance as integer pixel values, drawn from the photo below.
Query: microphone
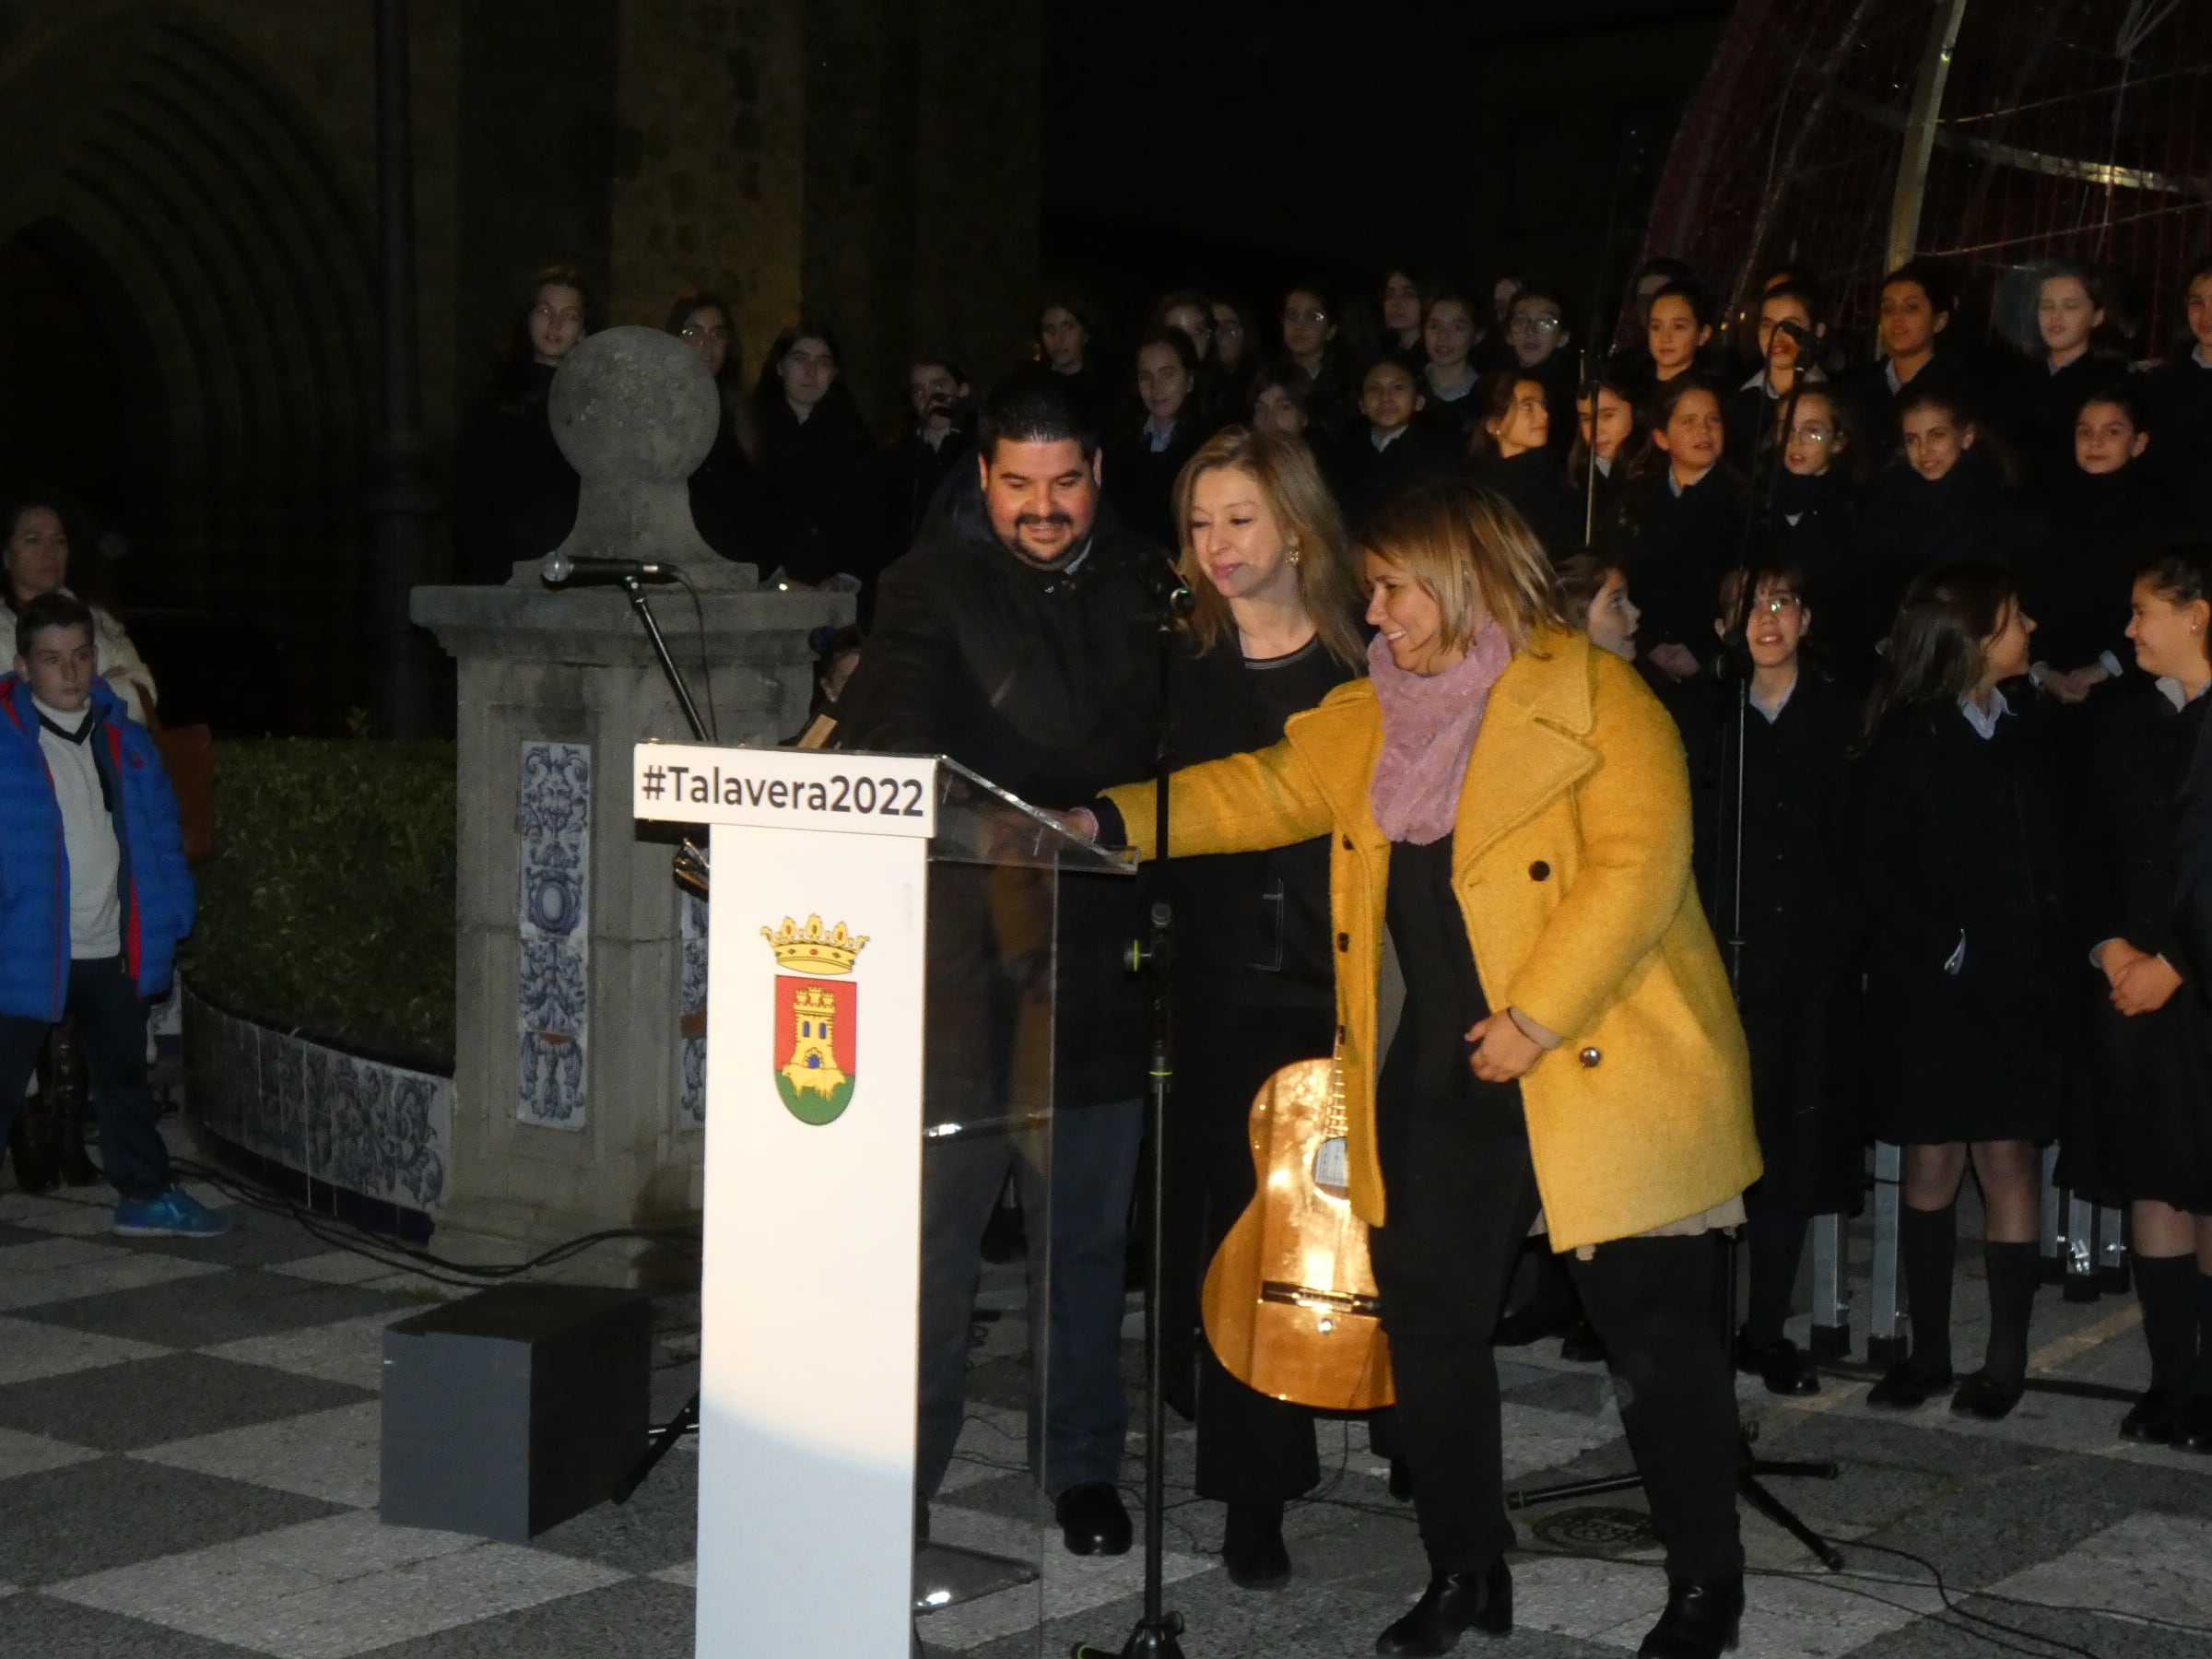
(560, 570)
(1806, 339)
(1166, 585)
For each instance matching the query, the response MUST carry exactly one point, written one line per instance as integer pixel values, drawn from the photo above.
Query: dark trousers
(1463, 1195)
(112, 1021)
(1076, 1182)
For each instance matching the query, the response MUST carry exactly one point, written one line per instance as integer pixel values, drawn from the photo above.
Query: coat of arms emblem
(816, 1017)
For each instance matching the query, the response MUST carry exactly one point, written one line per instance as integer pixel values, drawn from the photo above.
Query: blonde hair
(1289, 483)
(1475, 555)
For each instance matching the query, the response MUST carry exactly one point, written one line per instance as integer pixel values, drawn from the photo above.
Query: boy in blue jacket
(94, 896)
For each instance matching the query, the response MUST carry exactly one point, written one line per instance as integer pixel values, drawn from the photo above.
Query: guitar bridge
(1320, 1301)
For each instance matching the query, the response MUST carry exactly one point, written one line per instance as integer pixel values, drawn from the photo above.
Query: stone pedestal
(580, 1046)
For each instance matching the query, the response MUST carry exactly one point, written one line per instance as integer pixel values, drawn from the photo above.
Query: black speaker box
(508, 1412)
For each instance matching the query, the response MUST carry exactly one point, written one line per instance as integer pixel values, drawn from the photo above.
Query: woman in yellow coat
(1512, 805)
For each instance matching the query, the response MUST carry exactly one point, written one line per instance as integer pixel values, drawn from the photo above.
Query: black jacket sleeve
(898, 698)
(2192, 854)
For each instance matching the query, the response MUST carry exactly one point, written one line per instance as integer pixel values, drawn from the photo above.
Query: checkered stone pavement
(188, 1470)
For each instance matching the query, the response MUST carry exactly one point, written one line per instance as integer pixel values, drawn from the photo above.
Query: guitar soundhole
(1332, 1174)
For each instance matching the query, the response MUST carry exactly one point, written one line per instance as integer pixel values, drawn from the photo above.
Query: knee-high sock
(2014, 1270)
(1929, 1240)
(2166, 1285)
(1777, 1246)
(2201, 1371)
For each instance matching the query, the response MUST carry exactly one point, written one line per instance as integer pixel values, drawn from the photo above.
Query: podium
(882, 947)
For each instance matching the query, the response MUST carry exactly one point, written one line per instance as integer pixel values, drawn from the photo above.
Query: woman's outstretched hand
(1502, 1049)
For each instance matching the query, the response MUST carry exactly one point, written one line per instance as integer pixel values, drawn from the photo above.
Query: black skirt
(2154, 1130)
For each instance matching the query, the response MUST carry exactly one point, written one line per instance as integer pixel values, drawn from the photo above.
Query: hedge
(328, 906)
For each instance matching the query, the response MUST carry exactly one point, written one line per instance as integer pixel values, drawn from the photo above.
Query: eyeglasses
(1535, 325)
(1313, 314)
(695, 331)
(1811, 432)
(1774, 605)
(1230, 326)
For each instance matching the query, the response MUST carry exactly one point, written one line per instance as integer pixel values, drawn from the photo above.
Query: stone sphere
(634, 403)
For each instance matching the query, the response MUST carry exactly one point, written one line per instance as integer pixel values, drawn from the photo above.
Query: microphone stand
(1157, 1627)
(1751, 1470)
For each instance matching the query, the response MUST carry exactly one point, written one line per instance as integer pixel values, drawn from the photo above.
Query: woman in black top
(1404, 298)
(1947, 493)
(728, 501)
(1610, 437)
(2069, 318)
(2180, 398)
(1818, 526)
(1972, 971)
(1684, 523)
(1677, 328)
(1511, 447)
(814, 451)
(1308, 324)
(515, 492)
(1449, 335)
(1775, 864)
(1266, 560)
(1163, 432)
(2153, 1146)
(2105, 513)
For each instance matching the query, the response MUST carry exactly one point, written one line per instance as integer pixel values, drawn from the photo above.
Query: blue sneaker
(175, 1214)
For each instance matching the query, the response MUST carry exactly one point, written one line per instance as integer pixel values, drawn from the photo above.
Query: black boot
(1453, 1604)
(1252, 1547)
(1928, 1243)
(29, 1137)
(1992, 1392)
(1701, 1620)
(71, 1098)
(2165, 1286)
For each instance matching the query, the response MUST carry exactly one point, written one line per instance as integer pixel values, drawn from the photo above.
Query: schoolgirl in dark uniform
(1972, 966)
(2152, 1029)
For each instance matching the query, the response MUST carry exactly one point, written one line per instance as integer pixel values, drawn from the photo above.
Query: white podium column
(809, 1271)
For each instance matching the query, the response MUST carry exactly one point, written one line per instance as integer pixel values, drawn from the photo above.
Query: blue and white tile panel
(382, 1131)
(552, 1018)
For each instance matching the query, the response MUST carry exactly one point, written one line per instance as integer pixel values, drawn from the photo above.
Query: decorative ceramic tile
(554, 817)
(691, 1004)
(382, 1131)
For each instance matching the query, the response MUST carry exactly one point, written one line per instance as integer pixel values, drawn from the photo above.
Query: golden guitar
(1290, 1305)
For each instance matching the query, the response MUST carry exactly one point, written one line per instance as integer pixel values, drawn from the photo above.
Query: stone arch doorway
(173, 210)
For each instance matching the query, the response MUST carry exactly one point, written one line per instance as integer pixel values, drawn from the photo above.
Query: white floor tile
(62, 1216)
(2158, 1565)
(684, 1572)
(351, 1351)
(334, 1267)
(29, 1349)
(332, 1588)
(328, 1455)
(34, 1454)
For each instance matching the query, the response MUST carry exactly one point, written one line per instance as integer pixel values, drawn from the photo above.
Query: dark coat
(2151, 1135)
(2077, 583)
(2181, 428)
(2037, 410)
(1045, 682)
(814, 471)
(515, 492)
(1368, 479)
(1820, 525)
(1874, 406)
(1140, 480)
(729, 503)
(1801, 930)
(1677, 548)
(1970, 512)
(1962, 838)
(905, 477)
(1536, 483)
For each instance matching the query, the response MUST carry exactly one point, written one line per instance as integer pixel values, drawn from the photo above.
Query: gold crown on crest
(813, 948)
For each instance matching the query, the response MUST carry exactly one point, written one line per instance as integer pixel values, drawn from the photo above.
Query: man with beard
(1019, 637)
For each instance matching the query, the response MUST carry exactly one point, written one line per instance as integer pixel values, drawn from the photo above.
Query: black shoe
(1252, 1547)
(1984, 1396)
(1092, 1521)
(1782, 1366)
(1453, 1604)
(1530, 1322)
(1581, 1346)
(2157, 1416)
(1905, 1388)
(2193, 1429)
(1701, 1620)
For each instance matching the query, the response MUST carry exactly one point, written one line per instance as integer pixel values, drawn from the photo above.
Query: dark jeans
(1463, 1195)
(1079, 1414)
(111, 1021)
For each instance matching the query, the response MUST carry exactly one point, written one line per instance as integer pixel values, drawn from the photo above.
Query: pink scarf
(1428, 727)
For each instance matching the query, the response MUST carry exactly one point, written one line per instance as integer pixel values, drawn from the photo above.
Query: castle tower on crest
(813, 1064)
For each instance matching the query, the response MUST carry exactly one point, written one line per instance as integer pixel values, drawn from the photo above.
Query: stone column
(578, 1076)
